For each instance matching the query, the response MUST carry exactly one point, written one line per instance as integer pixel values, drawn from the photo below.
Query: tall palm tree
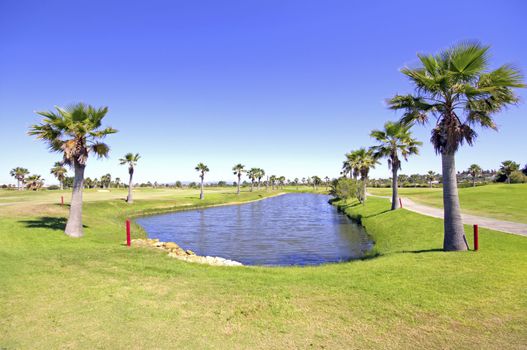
(202, 169)
(474, 170)
(457, 88)
(396, 139)
(75, 131)
(430, 177)
(238, 170)
(131, 160)
(19, 174)
(507, 168)
(252, 175)
(34, 182)
(59, 171)
(365, 160)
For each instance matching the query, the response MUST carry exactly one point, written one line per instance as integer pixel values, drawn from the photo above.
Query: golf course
(97, 292)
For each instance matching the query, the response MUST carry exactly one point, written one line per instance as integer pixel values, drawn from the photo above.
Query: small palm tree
(106, 180)
(252, 175)
(507, 168)
(75, 131)
(131, 160)
(474, 170)
(34, 182)
(457, 88)
(430, 177)
(365, 160)
(238, 170)
(295, 182)
(19, 174)
(117, 182)
(259, 175)
(316, 182)
(326, 182)
(272, 179)
(202, 169)
(396, 139)
(59, 171)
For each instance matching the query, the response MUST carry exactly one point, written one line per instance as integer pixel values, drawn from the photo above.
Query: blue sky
(289, 86)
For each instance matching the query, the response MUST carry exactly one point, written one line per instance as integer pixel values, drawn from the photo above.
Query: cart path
(468, 219)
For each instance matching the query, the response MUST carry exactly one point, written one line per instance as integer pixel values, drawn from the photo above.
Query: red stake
(62, 200)
(128, 232)
(476, 238)
(400, 202)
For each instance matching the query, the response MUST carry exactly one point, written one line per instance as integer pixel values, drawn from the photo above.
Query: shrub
(517, 177)
(53, 187)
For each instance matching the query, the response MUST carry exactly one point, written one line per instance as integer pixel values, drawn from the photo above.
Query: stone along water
(292, 229)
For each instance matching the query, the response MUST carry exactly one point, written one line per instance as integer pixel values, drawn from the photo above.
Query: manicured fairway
(500, 201)
(93, 292)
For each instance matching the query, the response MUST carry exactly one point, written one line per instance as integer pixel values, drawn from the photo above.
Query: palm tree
(395, 139)
(316, 182)
(272, 179)
(19, 174)
(131, 160)
(295, 182)
(202, 169)
(59, 171)
(507, 168)
(350, 165)
(106, 180)
(252, 175)
(430, 177)
(365, 160)
(34, 182)
(259, 175)
(474, 170)
(75, 132)
(238, 170)
(326, 182)
(117, 182)
(459, 91)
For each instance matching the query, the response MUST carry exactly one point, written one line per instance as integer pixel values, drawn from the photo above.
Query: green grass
(500, 201)
(58, 292)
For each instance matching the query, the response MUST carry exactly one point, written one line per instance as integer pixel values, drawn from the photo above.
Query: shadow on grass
(423, 251)
(49, 222)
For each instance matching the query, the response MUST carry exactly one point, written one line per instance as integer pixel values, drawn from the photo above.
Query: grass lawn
(93, 292)
(500, 201)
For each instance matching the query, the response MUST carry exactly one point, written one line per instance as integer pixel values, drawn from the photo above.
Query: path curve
(468, 219)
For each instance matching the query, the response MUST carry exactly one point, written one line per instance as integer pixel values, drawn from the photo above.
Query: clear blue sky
(289, 86)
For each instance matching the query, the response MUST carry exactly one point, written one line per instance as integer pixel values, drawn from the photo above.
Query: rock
(171, 245)
(190, 252)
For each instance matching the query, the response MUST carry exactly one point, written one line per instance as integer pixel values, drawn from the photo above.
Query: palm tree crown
(202, 168)
(458, 89)
(131, 160)
(75, 131)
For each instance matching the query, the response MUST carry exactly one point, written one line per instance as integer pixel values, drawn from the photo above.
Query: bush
(517, 177)
(345, 188)
(53, 187)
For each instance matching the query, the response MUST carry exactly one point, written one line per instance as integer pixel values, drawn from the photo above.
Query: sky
(288, 86)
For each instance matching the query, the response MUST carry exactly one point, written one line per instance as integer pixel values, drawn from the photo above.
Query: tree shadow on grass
(423, 251)
(49, 222)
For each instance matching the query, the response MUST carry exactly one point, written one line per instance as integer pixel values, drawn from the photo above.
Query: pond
(291, 229)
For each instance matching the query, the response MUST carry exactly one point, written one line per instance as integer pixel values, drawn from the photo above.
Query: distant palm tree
(396, 139)
(350, 165)
(59, 171)
(326, 182)
(117, 182)
(34, 182)
(19, 174)
(252, 175)
(272, 179)
(281, 181)
(507, 168)
(260, 173)
(106, 180)
(366, 160)
(202, 169)
(457, 88)
(430, 177)
(131, 160)
(295, 182)
(75, 131)
(303, 181)
(474, 170)
(238, 170)
(316, 182)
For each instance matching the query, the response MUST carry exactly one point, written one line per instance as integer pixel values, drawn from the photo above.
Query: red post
(62, 200)
(400, 202)
(128, 232)
(476, 238)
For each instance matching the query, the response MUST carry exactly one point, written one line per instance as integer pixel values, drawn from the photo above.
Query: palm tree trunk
(201, 189)
(473, 181)
(18, 184)
(61, 184)
(239, 179)
(252, 185)
(130, 198)
(453, 225)
(395, 189)
(74, 224)
(259, 180)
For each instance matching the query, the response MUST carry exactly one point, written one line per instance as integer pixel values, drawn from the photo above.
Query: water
(292, 229)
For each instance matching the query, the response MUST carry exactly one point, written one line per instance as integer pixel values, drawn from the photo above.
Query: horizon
(288, 86)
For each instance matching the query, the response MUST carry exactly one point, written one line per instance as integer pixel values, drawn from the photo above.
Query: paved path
(490, 223)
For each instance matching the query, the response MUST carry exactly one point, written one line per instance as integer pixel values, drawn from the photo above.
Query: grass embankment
(500, 201)
(58, 292)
